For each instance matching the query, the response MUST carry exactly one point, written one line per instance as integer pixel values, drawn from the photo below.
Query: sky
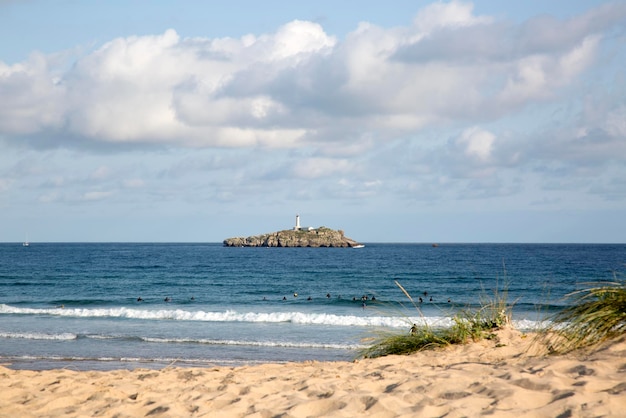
(397, 121)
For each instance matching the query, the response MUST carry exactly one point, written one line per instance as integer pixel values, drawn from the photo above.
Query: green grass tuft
(424, 337)
(597, 314)
(468, 325)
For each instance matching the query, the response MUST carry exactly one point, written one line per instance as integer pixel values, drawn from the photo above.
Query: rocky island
(296, 237)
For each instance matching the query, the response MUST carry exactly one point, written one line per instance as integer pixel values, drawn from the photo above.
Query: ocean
(101, 306)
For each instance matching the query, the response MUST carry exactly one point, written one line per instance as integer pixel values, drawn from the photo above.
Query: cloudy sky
(397, 121)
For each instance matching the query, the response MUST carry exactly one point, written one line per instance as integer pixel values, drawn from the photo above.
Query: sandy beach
(508, 376)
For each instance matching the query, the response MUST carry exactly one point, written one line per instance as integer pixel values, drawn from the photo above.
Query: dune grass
(596, 314)
(468, 325)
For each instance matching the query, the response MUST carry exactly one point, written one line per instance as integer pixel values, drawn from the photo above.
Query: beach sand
(507, 376)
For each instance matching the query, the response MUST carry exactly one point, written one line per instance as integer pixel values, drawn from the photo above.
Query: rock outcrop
(320, 237)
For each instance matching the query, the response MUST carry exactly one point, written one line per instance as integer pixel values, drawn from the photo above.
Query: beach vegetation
(595, 314)
(467, 325)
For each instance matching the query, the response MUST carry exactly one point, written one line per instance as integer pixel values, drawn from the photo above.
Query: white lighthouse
(297, 227)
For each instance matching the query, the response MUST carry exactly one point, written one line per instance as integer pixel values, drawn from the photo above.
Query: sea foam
(302, 318)
(38, 336)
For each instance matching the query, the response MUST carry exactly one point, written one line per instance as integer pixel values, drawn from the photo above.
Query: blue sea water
(76, 305)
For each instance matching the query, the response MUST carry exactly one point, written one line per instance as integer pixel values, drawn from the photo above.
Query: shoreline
(509, 375)
(131, 365)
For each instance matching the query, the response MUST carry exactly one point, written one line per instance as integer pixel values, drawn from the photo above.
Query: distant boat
(26, 243)
(358, 246)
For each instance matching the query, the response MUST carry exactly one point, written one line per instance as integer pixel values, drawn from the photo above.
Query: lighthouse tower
(297, 227)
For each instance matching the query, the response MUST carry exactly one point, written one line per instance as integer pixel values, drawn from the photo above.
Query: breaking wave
(303, 318)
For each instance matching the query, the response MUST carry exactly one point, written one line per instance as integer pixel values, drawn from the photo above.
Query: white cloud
(299, 38)
(278, 89)
(540, 76)
(455, 14)
(312, 168)
(96, 195)
(478, 143)
(453, 104)
(31, 101)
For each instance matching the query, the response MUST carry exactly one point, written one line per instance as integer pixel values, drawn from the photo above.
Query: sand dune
(507, 376)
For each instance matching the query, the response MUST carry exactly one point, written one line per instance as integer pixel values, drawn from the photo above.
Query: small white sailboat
(26, 243)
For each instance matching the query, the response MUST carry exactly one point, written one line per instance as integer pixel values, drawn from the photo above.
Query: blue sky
(401, 121)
